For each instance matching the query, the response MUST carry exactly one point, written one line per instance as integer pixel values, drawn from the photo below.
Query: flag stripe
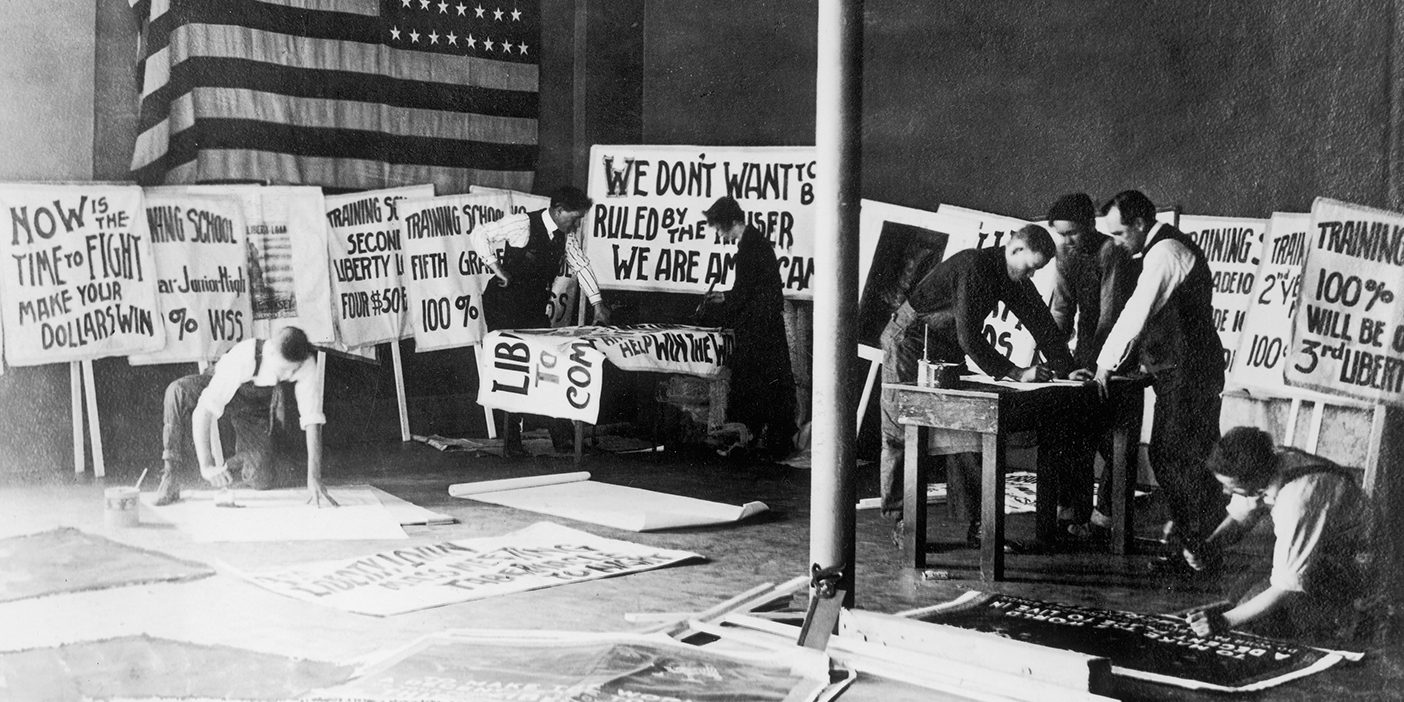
(355, 174)
(328, 84)
(252, 14)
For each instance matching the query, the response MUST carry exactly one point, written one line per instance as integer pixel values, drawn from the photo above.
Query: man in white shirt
(1321, 580)
(244, 385)
(1170, 319)
(534, 248)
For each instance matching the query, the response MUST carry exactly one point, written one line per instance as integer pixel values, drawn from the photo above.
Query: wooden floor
(772, 548)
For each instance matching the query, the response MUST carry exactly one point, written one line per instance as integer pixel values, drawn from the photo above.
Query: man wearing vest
(527, 251)
(244, 385)
(1170, 318)
(1321, 585)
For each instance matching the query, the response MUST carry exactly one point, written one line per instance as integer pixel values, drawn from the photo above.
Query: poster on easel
(197, 241)
(364, 243)
(79, 281)
(446, 277)
(1232, 247)
(1348, 330)
(1262, 347)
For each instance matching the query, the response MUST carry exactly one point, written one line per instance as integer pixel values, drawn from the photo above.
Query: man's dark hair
(725, 212)
(571, 198)
(293, 345)
(1244, 454)
(1037, 239)
(1132, 204)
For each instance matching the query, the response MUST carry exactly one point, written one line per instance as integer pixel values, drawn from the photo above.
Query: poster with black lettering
(1262, 346)
(369, 300)
(1155, 647)
(446, 277)
(1348, 330)
(536, 373)
(882, 224)
(1232, 247)
(197, 241)
(560, 309)
(646, 230)
(79, 282)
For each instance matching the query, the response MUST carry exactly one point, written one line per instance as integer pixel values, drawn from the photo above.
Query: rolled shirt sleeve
(1165, 268)
(579, 264)
(489, 239)
(307, 387)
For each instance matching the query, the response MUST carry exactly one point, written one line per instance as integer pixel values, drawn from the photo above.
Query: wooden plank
(865, 352)
(963, 412)
(992, 507)
(1372, 450)
(913, 498)
(401, 402)
(94, 423)
(75, 399)
(1289, 435)
(490, 420)
(1318, 413)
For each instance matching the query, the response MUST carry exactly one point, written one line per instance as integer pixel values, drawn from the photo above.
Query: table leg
(1046, 496)
(579, 428)
(1122, 492)
(913, 498)
(992, 509)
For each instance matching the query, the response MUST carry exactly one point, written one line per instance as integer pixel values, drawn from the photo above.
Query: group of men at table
(1135, 301)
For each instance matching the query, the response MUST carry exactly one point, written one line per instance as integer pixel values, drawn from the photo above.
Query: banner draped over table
(198, 243)
(81, 280)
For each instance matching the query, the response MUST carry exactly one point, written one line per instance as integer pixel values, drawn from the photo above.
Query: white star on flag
(443, 7)
(453, 39)
(433, 37)
(414, 36)
(479, 10)
(406, 2)
(462, 9)
(472, 43)
(395, 33)
(516, 15)
(423, 4)
(497, 15)
(522, 47)
(487, 43)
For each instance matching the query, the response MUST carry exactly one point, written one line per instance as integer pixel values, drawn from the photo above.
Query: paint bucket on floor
(120, 508)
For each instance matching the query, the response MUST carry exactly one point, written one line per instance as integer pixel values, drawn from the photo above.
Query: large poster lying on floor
(419, 577)
(78, 281)
(566, 666)
(1155, 647)
(646, 230)
(1348, 331)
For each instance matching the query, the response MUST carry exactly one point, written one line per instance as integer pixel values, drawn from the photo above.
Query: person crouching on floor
(245, 386)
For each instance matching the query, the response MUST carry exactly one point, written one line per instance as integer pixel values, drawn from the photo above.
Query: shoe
(898, 533)
(1100, 520)
(167, 492)
(1171, 566)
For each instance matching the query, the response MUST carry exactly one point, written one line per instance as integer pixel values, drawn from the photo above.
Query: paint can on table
(120, 507)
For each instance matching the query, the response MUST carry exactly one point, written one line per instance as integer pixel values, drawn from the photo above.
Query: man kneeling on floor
(245, 385)
(1321, 584)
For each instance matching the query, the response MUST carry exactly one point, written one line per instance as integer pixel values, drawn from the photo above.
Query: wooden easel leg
(94, 424)
(75, 398)
(913, 499)
(401, 404)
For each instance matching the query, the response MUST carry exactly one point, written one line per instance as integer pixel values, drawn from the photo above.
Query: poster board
(197, 240)
(446, 277)
(1266, 336)
(1232, 247)
(364, 245)
(79, 281)
(646, 230)
(1348, 329)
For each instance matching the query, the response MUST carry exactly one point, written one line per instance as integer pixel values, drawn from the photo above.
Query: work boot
(167, 492)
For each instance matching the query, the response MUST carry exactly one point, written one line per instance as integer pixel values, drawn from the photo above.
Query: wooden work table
(996, 411)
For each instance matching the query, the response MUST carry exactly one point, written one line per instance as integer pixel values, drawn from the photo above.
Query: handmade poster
(1348, 330)
(147, 668)
(566, 666)
(561, 307)
(540, 374)
(653, 348)
(898, 245)
(575, 496)
(431, 575)
(79, 281)
(68, 560)
(647, 231)
(363, 238)
(278, 515)
(1262, 349)
(1232, 246)
(446, 277)
(1155, 647)
(197, 240)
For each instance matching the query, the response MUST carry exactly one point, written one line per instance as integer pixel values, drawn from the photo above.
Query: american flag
(347, 94)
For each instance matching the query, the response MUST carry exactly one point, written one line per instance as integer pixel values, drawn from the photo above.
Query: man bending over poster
(245, 385)
(1321, 578)
(945, 312)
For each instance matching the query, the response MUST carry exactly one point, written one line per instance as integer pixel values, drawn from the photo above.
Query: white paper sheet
(278, 515)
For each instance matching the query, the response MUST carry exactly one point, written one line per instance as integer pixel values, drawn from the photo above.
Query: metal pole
(837, 137)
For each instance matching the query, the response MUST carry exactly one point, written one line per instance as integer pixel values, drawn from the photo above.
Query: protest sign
(369, 300)
(1153, 647)
(1231, 246)
(1348, 330)
(568, 666)
(539, 374)
(564, 290)
(419, 577)
(1262, 347)
(646, 230)
(446, 277)
(197, 241)
(79, 281)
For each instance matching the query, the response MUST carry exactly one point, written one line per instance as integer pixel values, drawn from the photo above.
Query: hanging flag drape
(352, 94)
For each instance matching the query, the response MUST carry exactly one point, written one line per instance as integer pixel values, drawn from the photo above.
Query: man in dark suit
(945, 313)
(1170, 318)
